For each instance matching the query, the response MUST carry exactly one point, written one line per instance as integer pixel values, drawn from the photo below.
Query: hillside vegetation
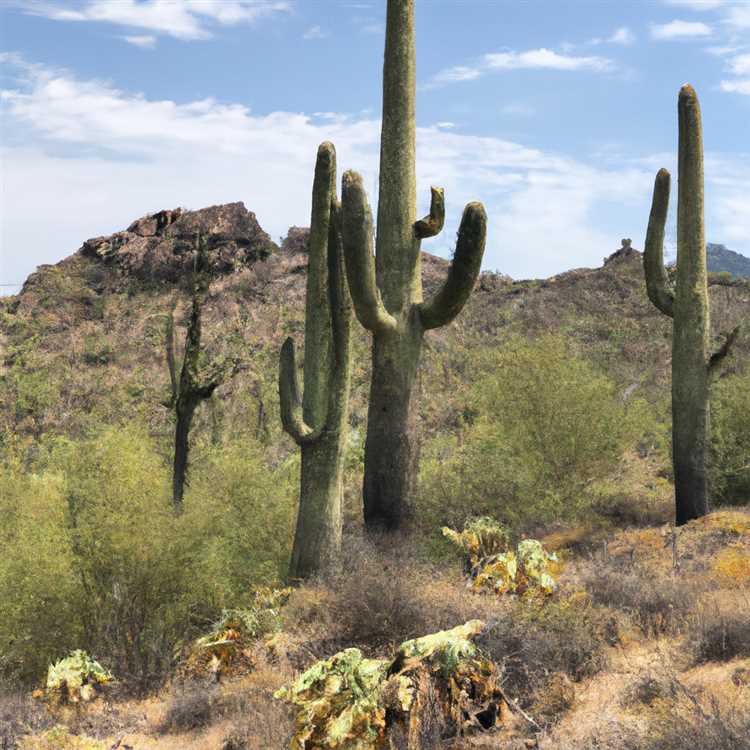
(544, 406)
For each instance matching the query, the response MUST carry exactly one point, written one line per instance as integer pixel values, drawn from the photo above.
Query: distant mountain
(722, 259)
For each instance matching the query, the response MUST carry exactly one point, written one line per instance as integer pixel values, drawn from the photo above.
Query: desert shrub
(265, 723)
(729, 470)
(190, 707)
(92, 555)
(39, 594)
(544, 424)
(655, 604)
(376, 597)
(535, 639)
(243, 512)
(720, 632)
(97, 351)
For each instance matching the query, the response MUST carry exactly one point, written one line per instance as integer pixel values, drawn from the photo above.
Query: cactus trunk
(318, 421)
(392, 445)
(688, 305)
(386, 286)
(691, 326)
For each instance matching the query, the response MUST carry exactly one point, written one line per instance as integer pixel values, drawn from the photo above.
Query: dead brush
(720, 631)
(657, 605)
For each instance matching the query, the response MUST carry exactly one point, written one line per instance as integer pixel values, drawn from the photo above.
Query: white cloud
(738, 86)
(457, 73)
(680, 30)
(147, 41)
(544, 59)
(534, 59)
(623, 36)
(445, 125)
(740, 65)
(90, 158)
(314, 32)
(182, 19)
(738, 17)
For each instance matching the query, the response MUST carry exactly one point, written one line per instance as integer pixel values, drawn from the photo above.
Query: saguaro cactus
(687, 304)
(387, 288)
(318, 421)
(192, 386)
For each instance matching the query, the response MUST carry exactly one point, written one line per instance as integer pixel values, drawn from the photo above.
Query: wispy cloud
(181, 19)
(677, 29)
(147, 41)
(622, 35)
(738, 86)
(545, 59)
(314, 32)
(535, 59)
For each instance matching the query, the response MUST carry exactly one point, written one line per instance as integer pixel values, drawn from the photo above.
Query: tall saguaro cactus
(686, 302)
(317, 422)
(387, 288)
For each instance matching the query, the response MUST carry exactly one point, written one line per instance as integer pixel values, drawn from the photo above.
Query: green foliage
(729, 468)
(91, 555)
(544, 425)
(97, 351)
(242, 512)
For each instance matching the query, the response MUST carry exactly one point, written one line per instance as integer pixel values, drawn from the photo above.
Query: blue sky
(555, 113)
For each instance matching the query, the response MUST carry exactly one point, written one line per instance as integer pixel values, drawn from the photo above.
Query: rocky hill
(84, 340)
(722, 259)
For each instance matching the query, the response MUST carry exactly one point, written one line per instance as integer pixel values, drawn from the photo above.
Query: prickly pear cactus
(494, 566)
(76, 678)
(348, 702)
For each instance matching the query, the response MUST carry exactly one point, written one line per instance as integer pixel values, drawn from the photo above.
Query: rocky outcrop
(159, 247)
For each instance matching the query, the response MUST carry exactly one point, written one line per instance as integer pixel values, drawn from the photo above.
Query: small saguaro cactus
(193, 385)
(387, 288)
(318, 420)
(687, 303)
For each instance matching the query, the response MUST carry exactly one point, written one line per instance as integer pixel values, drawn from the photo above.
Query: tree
(318, 421)
(193, 386)
(387, 288)
(693, 364)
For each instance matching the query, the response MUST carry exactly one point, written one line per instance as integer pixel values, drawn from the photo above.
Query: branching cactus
(686, 302)
(195, 384)
(318, 420)
(386, 287)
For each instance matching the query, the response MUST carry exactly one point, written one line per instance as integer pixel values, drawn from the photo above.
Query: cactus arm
(658, 286)
(360, 262)
(432, 224)
(464, 270)
(718, 357)
(397, 247)
(289, 396)
(341, 302)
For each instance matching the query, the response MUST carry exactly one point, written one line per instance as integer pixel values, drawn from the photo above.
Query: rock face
(159, 247)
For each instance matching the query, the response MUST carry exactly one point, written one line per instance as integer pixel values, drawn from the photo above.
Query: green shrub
(729, 469)
(92, 556)
(547, 426)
